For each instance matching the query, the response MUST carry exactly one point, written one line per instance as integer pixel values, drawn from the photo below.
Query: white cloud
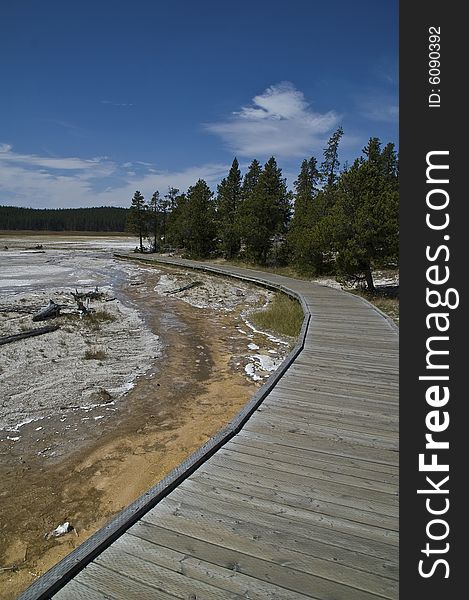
(44, 182)
(32, 160)
(280, 122)
(379, 107)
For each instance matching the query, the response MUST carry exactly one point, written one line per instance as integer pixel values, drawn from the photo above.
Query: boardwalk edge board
(54, 579)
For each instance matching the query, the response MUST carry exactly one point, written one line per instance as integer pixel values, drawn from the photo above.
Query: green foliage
(251, 179)
(157, 217)
(309, 241)
(330, 164)
(200, 220)
(178, 232)
(228, 204)
(303, 240)
(266, 209)
(137, 221)
(364, 221)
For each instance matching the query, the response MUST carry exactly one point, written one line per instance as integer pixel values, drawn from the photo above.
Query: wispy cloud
(379, 107)
(63, 164)
(279, 121)
(111, 103)
(42, 181)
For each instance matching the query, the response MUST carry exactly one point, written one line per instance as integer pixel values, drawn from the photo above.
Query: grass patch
(389, 305)
(92, 321)
(283, 316)
(94, 354)
(100, 316)
(95, 319)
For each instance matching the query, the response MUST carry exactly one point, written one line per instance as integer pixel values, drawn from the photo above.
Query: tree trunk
(369, 280)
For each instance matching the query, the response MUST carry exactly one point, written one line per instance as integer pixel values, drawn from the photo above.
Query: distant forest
(103, 218)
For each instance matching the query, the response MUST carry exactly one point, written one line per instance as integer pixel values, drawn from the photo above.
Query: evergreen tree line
(337, 221)
(63, 219)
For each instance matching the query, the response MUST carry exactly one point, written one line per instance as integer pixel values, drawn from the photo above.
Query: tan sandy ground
(174, 408)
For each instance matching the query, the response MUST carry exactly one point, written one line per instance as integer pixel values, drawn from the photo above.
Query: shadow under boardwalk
(300, 503)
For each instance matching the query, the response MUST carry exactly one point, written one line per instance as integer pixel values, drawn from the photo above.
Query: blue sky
(102, 98)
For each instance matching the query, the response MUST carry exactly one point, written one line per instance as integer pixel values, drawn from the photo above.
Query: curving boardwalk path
(300, 503)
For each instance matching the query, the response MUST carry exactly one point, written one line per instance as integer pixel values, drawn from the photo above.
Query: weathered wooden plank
(227, 578)
(313, 481)
(322, 459)
(337, 379)
(296, 513)
(184, 502)
(348, 419)
(304, 470)
(308, 420)
(295, 498)
(341, 403)
(328, 445)
(228, 530)
(244, 503)
(326, 399)
(296, 389)
(315, 492)
(307, 459)
(272, 544)
(277, 565)
(117, 585)
(77, 591)
(161, 578)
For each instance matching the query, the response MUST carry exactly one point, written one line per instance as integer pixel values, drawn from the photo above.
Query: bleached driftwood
(51, 311)
(7, 339)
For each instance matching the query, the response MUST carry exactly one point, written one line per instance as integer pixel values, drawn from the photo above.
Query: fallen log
(51, 311)
(185, 287)
(7, 339)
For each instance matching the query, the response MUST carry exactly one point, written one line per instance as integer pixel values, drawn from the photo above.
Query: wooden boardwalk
(300, 503)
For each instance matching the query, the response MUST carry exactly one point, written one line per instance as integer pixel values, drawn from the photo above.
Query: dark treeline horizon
(92, 219)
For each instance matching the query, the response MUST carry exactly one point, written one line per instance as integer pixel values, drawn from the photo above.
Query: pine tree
(171, 198)
(177, 222)
(200, 215)
(302, 235)
(251, 179)
(372, 151)
(154, 217)
(364, 221)
(330, 165)
(305, 191)
(137, 217)
(390, 162)
(228, 202)
(266, 209)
